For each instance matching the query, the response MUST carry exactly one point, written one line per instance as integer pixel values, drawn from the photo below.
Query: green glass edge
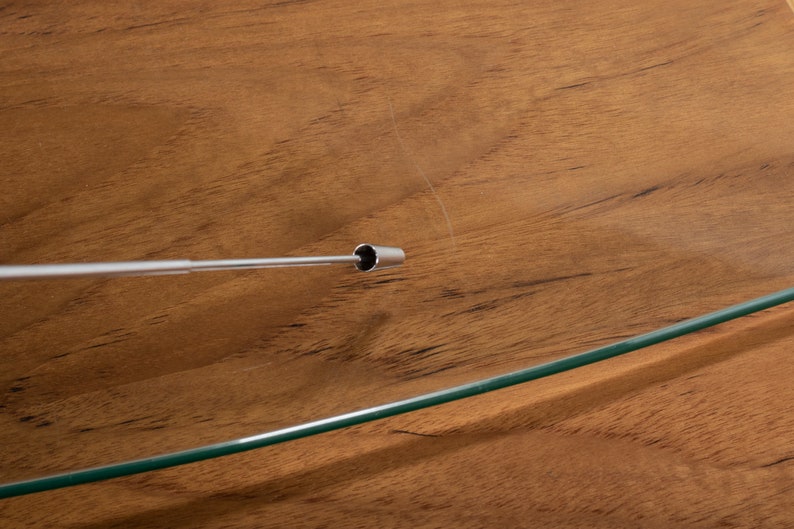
(427, 400)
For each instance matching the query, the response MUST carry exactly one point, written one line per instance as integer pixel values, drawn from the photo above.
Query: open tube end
(372, 257)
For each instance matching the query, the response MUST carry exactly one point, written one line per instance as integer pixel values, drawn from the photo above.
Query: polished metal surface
(367, 257)
(372, 257)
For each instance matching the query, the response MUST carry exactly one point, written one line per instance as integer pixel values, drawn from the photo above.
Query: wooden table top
(561, 175)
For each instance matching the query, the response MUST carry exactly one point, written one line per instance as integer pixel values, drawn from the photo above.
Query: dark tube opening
(368, 256)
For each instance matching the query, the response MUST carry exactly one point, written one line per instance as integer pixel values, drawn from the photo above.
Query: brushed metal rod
(366, 257)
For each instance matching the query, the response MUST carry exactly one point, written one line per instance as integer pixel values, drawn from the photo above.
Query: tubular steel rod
(155, 268)
(395, 408)
(367, 257)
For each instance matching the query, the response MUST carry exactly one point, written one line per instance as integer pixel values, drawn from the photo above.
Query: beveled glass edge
(127, 468)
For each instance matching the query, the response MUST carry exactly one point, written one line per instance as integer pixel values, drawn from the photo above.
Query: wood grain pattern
(560, 174)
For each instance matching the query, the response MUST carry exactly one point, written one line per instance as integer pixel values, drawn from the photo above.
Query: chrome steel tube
(375, 255)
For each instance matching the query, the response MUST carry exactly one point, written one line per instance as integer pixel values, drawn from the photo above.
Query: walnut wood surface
(561, 175)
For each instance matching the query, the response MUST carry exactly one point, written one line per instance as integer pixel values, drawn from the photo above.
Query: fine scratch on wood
(421, 172)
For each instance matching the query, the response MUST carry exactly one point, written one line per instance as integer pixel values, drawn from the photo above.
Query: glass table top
(557, 182)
